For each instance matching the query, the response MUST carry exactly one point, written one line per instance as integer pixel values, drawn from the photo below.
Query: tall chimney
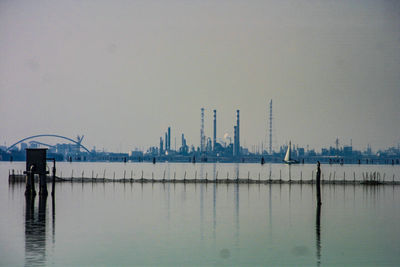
(237, 133)
(169, 138)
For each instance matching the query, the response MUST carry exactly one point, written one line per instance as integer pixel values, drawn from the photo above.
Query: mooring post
(53, 185)
(318, 178)
(30, 182)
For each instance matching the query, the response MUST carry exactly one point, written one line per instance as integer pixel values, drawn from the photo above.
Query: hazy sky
(121, 72)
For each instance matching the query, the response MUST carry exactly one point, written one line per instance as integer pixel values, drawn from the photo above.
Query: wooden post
(318, 184)
(53, 185)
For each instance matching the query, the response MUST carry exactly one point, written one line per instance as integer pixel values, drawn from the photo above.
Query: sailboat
(288, 157)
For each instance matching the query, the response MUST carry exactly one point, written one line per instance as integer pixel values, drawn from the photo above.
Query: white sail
(288, 152)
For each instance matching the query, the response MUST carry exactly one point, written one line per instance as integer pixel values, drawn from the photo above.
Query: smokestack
(237, 133)
(235, 141)
(161, 146)
(169, 138)
(215, 129)
(166, 141)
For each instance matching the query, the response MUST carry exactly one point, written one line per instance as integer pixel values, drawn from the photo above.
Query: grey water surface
(200, 224)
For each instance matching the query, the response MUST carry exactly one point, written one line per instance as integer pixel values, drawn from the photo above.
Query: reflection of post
(318, 184)
(318, 234)
(214, 204)
(318, 219)
(35, 232)
(237, 211)
(53, 214)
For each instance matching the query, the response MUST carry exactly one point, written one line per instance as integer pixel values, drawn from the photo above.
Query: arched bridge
(48, 135)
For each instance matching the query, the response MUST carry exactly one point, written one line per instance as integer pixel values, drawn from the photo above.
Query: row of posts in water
(375, 176)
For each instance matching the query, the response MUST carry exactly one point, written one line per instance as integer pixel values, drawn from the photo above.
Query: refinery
(211, 149)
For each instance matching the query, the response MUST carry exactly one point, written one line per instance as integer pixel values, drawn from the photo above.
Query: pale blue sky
(121, 72)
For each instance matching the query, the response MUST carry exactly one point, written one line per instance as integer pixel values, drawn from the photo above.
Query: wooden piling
(318, 178)
(53, 185)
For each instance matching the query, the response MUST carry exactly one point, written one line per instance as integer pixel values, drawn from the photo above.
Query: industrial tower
(236, 140)
(202, 137)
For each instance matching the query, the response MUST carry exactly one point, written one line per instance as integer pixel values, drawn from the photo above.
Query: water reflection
(35, 231)
(318, 234)
(236, 192)
(214, 203)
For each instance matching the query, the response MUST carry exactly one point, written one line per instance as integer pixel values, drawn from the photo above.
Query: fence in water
(366, 178)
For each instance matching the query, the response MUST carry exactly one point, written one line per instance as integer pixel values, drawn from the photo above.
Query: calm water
(201, 224)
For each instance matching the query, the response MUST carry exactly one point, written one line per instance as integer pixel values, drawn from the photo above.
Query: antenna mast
(270, 127)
